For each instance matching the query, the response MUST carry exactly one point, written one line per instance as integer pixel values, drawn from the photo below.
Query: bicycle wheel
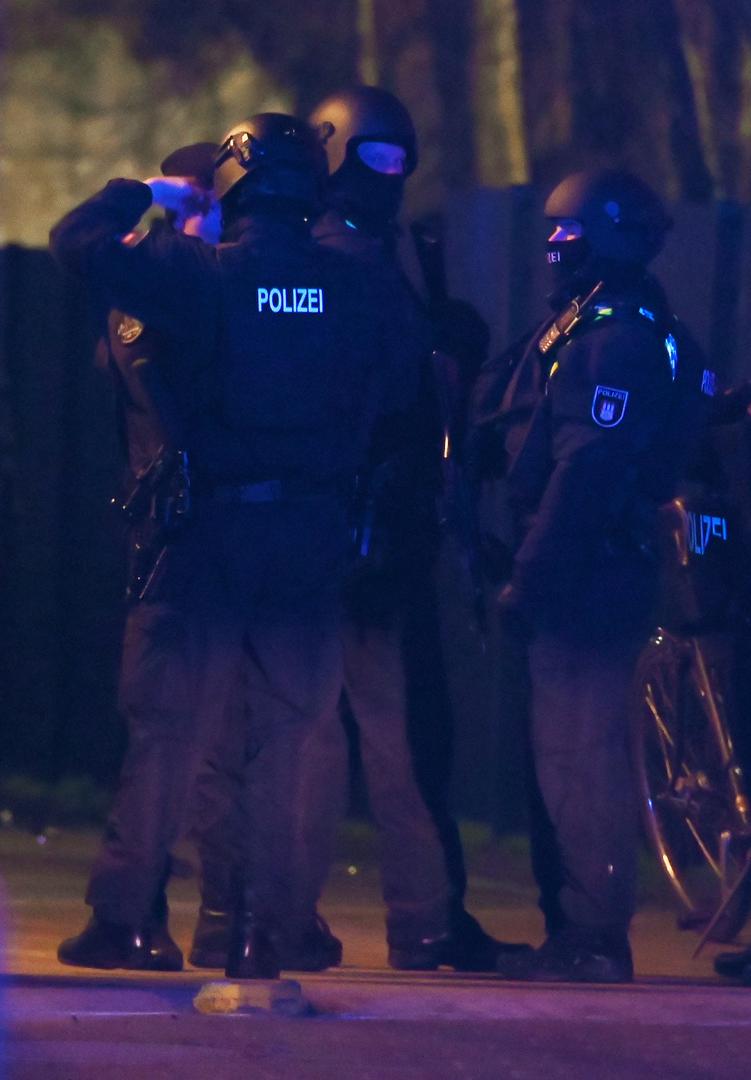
(689, 784)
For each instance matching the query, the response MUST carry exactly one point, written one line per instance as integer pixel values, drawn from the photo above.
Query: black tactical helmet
(282, 153)
(363, 114)
(622, 218)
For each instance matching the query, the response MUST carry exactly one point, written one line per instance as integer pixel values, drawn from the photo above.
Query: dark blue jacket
(595, 437)
(291, 355)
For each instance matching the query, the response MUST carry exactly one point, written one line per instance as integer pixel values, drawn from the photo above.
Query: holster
(158, 509)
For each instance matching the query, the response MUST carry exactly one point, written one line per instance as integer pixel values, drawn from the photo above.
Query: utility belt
(161, 491)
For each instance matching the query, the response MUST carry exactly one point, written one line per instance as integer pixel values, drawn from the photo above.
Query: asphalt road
(364, 1022)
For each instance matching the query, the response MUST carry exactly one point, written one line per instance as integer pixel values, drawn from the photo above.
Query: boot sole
(207, 960)
(262, 975)
(162, 966)
(91, 964)
(555, 977)
(124, 965)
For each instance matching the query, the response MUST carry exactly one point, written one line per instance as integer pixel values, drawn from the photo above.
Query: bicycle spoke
(666, 741)
(709, 858)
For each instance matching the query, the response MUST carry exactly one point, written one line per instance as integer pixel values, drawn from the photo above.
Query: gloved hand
(176, 193)
(460, 331)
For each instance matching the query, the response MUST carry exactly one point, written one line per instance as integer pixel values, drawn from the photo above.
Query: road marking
(86, 1015)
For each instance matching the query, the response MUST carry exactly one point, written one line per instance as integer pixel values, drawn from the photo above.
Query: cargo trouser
(580, 746)
(198, 677)
(416, 888)
(430, 719)
(413, 867)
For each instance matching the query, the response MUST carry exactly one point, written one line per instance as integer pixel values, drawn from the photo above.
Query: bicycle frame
(674, 667)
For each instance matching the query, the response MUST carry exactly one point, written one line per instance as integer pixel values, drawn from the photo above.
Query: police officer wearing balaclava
(590, 420)
(394, 669)
(295, 362)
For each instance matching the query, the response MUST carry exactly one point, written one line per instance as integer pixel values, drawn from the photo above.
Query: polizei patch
(291, 301)
(609, 406)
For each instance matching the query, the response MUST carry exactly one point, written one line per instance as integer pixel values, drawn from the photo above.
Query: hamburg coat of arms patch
(609, 406)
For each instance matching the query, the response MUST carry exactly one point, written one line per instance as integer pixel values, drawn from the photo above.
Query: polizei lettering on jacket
(291, 301)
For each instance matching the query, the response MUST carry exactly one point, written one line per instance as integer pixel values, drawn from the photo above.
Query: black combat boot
(164, 953)
(734, 965)
(472, 949)
(574, 954)
(314, 950)
(109, 945)
(424, 954)
(478, 952)
(251, 953)
(210, 939)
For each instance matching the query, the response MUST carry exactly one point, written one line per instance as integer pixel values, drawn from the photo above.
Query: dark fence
(62, 582)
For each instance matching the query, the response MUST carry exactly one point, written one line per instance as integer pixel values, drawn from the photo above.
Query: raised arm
(158, 280)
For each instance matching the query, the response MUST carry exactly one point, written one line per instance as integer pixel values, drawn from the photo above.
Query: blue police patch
(708, 383)
(609, 406)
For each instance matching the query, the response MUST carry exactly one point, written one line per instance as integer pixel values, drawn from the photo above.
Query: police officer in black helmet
(590, 418)
(297, 363)
(392, 633)
(371, 148)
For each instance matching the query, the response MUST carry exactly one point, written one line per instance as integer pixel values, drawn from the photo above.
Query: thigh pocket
(159, 665)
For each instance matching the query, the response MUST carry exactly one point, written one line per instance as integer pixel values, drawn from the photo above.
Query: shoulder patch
(609, 406)
(129, 330)
(709, 383)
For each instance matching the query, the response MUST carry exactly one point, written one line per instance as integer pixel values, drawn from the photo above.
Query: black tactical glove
(460, 331)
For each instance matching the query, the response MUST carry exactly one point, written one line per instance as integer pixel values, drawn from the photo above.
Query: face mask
(375, 195)
(566, 257)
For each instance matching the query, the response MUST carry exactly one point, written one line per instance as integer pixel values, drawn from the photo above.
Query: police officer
(289, 358)
(148, 408)
(393, 667)
(394, 670)
(590, 418)
(392, 631)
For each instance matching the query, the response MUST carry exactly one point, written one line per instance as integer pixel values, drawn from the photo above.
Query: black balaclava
(567, 259)
(373, 199)
(579, 268)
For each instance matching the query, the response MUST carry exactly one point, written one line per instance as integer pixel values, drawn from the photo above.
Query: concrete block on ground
(282, 997)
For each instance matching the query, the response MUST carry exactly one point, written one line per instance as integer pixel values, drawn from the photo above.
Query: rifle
(459, 498)
(565, 321)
